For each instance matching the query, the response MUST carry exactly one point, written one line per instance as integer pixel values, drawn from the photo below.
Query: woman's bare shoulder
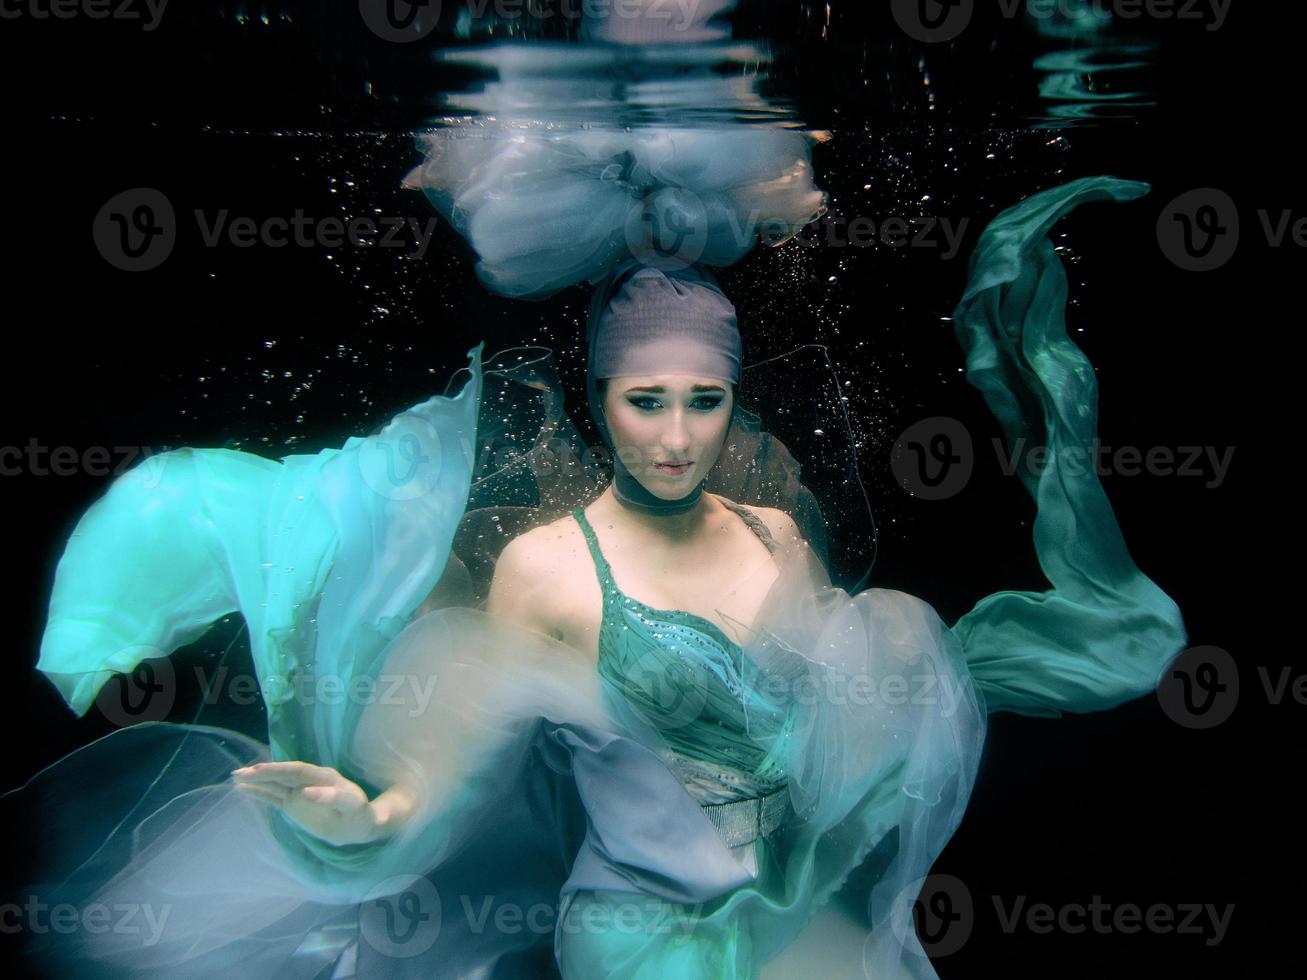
(547, 549)
(539, 576)
(541, 563)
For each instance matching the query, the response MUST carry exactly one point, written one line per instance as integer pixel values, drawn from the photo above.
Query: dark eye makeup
(700, 403)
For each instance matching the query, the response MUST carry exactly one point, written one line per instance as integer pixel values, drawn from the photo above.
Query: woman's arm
(333, 808)
(528, 581)
(453, 589)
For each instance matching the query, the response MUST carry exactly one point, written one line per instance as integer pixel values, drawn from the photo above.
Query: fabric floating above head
(545, 208)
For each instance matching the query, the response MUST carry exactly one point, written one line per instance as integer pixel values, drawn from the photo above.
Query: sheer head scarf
(649, 317)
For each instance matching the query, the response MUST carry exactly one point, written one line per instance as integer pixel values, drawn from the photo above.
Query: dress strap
(751, 520)
(755, 523)
(602, 571)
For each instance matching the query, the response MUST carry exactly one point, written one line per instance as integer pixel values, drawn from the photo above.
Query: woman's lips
(673, 469)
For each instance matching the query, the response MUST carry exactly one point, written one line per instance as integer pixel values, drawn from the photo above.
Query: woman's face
(668, 428)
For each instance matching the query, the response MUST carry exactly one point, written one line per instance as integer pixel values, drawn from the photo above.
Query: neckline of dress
(610, 586)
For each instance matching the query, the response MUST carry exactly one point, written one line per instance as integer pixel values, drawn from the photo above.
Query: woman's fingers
(288, 774)
(318, 799)
(326, 795)
(268, 781)
(271, 794)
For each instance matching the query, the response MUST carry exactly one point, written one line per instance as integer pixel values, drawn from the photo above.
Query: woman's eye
(645, 404)
(706, 403)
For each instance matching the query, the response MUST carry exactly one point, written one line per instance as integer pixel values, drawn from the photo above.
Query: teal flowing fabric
(1103, 632)
(326, 556)
(547, 782)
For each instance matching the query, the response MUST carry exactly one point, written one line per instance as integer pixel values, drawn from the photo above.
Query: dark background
(265, 119)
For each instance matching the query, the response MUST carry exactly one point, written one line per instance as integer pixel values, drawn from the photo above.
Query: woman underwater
(659, 749)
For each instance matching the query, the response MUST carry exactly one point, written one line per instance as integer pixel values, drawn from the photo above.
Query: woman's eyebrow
(697, 389)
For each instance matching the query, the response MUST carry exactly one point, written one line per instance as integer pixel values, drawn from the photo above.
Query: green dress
(683, 675)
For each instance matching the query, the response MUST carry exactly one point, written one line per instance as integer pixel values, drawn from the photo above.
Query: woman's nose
(676, 437)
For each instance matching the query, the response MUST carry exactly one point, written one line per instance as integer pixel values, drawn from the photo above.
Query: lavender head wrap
(658, 318)
(649, 321)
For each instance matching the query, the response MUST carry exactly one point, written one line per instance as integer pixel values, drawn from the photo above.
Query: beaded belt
(744, 821)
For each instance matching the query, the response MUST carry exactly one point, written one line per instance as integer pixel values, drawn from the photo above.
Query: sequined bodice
(683, 676)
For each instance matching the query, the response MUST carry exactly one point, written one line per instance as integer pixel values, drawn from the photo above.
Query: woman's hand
(319, 799)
